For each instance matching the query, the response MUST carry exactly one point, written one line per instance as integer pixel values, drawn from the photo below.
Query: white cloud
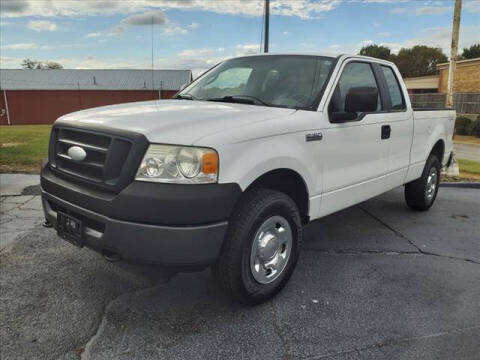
(149, 18)
(435, 37)
(42, 25)
(472, 6)
(433, 10)
(199, 52)
(285, 33)
(423, 10)
(365, 43)
(172, 29)
(7, 62)
(399, 10)
(194, 25)
(48, 8)
(247, 49)
(20, 46)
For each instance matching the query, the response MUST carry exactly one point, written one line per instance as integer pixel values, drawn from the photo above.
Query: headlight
(178, 164)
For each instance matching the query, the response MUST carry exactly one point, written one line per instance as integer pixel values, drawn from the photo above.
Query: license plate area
(70, 229)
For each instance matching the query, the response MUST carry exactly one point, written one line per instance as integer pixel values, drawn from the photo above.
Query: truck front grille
(111, 159)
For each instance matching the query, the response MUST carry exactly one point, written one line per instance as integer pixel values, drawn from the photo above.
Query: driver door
(354, 155)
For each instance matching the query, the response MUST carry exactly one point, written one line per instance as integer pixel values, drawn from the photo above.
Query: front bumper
(137, 233)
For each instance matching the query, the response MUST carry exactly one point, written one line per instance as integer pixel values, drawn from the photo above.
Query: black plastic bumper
(164, 224)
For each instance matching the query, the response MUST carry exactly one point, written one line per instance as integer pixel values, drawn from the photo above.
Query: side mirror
(341, 117)
(361, 99)
(357, 100)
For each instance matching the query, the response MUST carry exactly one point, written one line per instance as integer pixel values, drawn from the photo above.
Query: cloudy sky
(196, 34)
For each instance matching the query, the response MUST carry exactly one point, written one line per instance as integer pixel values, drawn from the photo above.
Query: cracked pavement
(376, 281)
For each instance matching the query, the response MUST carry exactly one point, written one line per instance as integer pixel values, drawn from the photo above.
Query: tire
(421, 193)
(259, 214)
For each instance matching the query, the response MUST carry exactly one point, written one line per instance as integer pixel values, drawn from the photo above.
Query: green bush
(476, 127)
(463, 125)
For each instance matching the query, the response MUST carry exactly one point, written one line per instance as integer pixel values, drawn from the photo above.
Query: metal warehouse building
(41, 96)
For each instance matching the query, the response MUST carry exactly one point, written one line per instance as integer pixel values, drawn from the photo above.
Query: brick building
(467, 79)
(41, 96)
(431, 91)
(467, 76)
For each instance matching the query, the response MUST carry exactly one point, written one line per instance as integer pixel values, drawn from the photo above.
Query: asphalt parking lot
(376, 281)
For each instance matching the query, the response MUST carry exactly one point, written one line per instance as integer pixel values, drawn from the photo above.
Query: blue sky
(196, 34)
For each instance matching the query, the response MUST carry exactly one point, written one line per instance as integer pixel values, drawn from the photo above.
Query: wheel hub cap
(431, 184)
(271, 249)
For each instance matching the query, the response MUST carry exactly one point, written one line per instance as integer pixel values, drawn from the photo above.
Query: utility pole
(453, 52)
(267, 25)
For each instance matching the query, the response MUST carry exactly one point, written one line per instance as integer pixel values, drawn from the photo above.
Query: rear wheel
(421, 193)
(261, 247)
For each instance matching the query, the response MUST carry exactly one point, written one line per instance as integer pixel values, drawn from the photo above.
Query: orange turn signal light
(210, 163)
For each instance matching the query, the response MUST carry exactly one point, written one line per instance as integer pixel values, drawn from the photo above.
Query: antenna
(153, 88)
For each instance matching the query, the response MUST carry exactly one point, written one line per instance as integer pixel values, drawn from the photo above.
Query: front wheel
(261, 247)
(421, 193)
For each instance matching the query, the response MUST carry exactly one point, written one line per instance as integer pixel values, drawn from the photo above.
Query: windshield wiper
(185, 97)
(245, 99)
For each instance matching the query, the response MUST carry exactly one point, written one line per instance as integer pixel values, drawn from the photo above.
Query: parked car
(226, 174)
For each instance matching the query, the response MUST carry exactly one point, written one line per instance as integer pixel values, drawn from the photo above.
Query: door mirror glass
(341, 117)
(361, 99)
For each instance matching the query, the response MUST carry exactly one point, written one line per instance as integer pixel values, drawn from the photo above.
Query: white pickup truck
(226, 174)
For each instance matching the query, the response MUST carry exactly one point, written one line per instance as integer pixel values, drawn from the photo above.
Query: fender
(438, 133)
(245, 162)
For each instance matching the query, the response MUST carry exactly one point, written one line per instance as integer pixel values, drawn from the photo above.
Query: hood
(173, 121)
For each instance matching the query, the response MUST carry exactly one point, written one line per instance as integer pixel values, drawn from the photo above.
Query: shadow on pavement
(361, 290)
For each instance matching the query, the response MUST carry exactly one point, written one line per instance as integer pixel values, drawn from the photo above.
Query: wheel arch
(289, 182)
(438, 150)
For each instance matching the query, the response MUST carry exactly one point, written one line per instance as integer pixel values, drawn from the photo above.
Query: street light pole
(267, 25)
(453, 52)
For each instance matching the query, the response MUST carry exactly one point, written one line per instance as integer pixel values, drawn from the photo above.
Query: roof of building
(468, 62)
(66, 79)
(422, 82)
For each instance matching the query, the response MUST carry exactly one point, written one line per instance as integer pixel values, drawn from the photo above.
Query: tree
(472, 52)
(52, 65)
(419, 60)
(47, 65)
(376, 51)
(29, 64)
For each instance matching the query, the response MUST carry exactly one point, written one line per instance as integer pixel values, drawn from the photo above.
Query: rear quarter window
(396, 96)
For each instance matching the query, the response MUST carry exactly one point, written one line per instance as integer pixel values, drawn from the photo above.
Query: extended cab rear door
(399, 116)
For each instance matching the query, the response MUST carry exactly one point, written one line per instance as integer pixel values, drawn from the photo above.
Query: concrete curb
(466, 185)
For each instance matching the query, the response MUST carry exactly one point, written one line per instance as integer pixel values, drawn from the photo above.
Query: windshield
(293, 81)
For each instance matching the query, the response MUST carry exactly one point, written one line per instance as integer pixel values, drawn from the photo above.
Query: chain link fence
(463, 103)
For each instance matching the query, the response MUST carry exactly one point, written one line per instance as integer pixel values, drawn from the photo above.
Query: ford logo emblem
(76, 153)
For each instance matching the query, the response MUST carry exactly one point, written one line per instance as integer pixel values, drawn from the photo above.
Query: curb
(466, 185)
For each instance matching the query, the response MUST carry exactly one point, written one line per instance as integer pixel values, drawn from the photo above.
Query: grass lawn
(23, 147)
(466, 139)
(468, 166)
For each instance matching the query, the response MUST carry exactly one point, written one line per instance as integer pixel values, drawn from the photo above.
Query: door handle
(386, 130)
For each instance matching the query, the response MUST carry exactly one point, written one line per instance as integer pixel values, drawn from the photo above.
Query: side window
(355, 74)
(393, 88)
